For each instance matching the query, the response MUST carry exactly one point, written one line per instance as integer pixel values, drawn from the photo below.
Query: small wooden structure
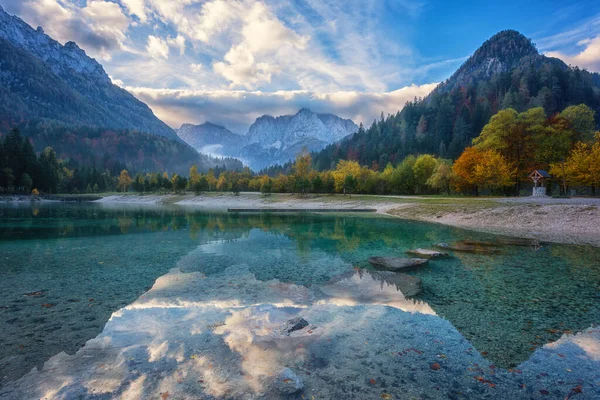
(538, 177)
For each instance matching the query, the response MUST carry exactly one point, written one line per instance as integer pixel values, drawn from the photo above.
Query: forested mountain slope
(507, 71)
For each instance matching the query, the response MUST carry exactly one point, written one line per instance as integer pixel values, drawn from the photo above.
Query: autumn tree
(344, 169)
(477, 169)
(511, 135)
(124, 181)
(301, 170)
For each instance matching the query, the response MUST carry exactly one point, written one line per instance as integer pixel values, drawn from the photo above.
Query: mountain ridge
(88, 95)
(269, 140)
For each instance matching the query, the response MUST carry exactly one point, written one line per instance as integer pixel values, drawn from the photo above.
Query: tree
(423, 169)
(349, 184)
(317, 184)
(178, 183)
(581, 121)
(511, 135)
(342, 171)
(582, 166)
(301, 168)
(7, 179)
(49, 171)
(441, 178)
(26, 182)
(124, 181)
(266, 186)
(477, 168)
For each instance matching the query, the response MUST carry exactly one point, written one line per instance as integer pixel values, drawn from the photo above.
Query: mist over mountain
(507, 71)
(270, 140)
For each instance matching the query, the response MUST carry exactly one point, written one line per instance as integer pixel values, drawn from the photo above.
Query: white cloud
(237, 109)
(157, 48)
(178, 42)
(137, 8)
(588, 58)
(196, 67)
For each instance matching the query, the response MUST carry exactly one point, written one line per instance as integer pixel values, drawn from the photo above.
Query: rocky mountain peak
(65, 84)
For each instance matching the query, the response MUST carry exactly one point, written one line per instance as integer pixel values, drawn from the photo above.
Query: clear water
(66, 268)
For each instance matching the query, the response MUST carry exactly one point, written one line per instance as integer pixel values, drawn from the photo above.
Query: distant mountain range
(62, 98)
(270, 140)
(507, 71)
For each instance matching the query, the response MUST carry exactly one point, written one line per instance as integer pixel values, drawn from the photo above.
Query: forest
(498, 161)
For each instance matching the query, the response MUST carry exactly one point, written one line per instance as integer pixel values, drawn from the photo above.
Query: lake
(116, 301)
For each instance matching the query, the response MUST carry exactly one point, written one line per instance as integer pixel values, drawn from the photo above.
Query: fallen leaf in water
(372, 381)
(164, 396)
(386, 396)
(561, 355)
(544, 392)
(435, 366)
(48, 305)
(287, 380)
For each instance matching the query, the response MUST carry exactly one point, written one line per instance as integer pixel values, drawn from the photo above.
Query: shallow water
(66, 268)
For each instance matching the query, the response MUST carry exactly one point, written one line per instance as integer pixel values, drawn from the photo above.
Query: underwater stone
(287, 382)
(292, 325)
(426, 253)
(397, 264)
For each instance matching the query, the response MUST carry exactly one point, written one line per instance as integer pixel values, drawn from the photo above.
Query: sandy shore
(574, 221)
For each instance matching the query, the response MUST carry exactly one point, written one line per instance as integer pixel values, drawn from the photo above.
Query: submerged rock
(465, 248)
(519, 242)
(468, 242)
(397, 264)
(426, 253)
(294, 324)
(287, 382)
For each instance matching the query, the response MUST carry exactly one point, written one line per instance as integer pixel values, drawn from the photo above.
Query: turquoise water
(66, 268)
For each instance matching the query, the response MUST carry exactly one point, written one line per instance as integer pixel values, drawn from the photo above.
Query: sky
(231, 61)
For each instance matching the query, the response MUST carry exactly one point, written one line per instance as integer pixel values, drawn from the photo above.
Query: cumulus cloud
(98, 27)
(157, 48)
(588, 58)
(237, 109)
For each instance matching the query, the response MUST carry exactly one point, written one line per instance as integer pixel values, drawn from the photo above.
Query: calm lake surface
(517, 324)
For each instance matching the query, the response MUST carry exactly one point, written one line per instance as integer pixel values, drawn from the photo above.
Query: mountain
(507, 71)
(211, 139)
(270, 140)
(43, 79)
(60, 97)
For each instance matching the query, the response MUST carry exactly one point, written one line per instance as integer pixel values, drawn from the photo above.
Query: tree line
(497, 161)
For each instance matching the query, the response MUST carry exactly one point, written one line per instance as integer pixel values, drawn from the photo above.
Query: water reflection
(240, 277)
(199, 336)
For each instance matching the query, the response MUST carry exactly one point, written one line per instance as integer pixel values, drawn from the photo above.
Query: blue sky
(230, 61)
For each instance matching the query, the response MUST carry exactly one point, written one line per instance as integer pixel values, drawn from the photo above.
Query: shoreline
(568, 221)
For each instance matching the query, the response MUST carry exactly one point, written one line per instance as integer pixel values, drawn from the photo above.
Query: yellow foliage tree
(344, 169)
(582, 167)
(124, 181)
(477, 168)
